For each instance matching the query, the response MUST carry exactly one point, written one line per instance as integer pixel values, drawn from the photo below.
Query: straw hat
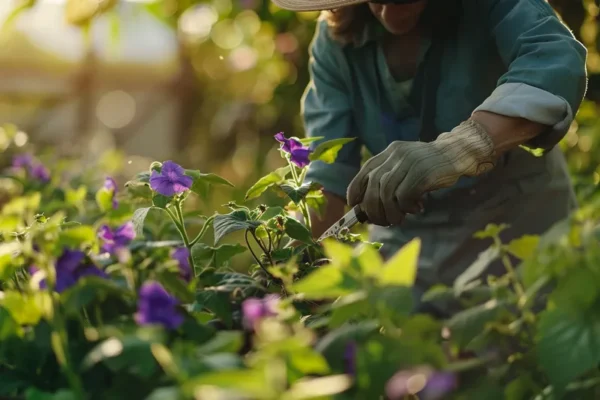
(318, 5)
(315, 5)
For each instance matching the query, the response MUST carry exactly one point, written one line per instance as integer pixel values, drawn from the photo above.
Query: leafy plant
(107, 289)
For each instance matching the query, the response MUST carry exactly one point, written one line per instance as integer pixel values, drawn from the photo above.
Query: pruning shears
(354, 216)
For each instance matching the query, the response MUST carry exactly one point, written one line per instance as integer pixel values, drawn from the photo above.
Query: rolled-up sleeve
(327, 112)
(546, 78)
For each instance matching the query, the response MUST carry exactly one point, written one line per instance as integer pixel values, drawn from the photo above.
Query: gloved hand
(392, 183)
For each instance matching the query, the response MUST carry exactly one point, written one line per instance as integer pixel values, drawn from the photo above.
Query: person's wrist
(468, 147)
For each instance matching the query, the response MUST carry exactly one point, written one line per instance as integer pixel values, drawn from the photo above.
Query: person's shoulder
(323, 37)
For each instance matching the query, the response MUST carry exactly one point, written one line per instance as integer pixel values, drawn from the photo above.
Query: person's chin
(399, 29)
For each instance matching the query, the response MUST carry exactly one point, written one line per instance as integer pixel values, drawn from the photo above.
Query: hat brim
(315, 5)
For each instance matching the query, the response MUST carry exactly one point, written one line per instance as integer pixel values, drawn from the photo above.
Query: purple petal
(299, 156)
(22, 161)
(64, 280)
(295, 144)
(182, 255)
(69, 260)
(91, 270)
(157, 306)
(185, 181)
(171, 168)
(252, 310)
(161, 184)
(280, 137)
(40, 172)
(438, 385)
(179, 188)
(105, 233)
(125, 233)
(110, 184)
(350, 358)
(255, 309)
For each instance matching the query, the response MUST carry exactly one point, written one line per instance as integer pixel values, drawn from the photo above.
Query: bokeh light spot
(116, 109)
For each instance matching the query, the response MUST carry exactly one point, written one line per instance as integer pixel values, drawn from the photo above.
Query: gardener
(443, 93)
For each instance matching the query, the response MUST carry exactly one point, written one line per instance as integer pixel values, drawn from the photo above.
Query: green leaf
(401, 269)
(308, 361)
(62, 394)
(272, 212)
(78, 236)
(568, 344)
(298, 194)
(8, 326)
(483, 261)
(23, 308)
(393, 301)
(203, 182)
(578, 289)
(104, 199)
(328, 151)
(89, 289)
(120, 353)
(309, 140)
(161, 201)
(249, 383)
(138, 218)
(230, 281)
(490, 231)
(237, 220)
(176, 286)
(277, 176)
(139, 190)
(165, 393)
(223, 342)
(523, 247)
(219, 303)
(326, 283)
(7, 269)
(318, 388)
(76, 197)
(296, 230)
(469, 323)
(217, 257)
(333, 344)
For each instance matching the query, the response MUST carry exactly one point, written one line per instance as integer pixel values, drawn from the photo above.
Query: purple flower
(298, 153)
(36, 169)
(22, 161)
(255, 309)
(69, 268)
(111, 186)
(182, 255)
(427, 383)
(118, 238)
(170, 180)
(156, 306)
(350, 358)
(39, 172)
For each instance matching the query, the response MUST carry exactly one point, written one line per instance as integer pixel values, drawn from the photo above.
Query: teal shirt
(510, 57)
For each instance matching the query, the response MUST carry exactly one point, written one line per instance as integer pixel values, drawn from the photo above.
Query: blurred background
(118, 84)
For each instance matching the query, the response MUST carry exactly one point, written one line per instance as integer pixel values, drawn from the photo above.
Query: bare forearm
(507, 133)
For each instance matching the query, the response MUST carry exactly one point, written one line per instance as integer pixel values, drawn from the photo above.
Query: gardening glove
(392, 183)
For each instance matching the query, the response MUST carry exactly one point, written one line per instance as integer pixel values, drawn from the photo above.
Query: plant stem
(263, 248)
(186, 239)
(200, 235)
(59, 342)
(302, 203)
(178, 226)
(519, 290)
